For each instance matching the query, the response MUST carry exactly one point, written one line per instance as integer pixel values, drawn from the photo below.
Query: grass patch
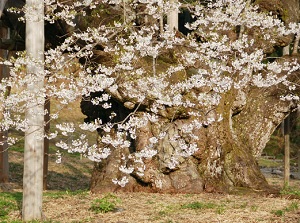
(254, 208)
(244, 205)
(278, 213)
(290, 191)
(106, 204)
(150, 202)
(164, 212)
(219, 208)
(199, 205)
(269, 163)
(9, 202)
(294, 206)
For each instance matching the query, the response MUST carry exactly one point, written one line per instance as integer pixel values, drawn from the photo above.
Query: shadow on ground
(73, 174)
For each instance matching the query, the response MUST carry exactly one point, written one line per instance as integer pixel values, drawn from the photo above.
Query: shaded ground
(72, 174)
(63, 205)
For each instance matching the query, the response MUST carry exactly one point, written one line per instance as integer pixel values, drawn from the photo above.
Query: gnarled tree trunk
(228, 149)
(227, 154)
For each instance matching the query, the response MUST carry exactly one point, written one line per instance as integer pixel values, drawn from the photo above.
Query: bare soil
(73, 174)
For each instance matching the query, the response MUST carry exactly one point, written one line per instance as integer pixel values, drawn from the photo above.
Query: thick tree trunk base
(183, 180)
(193, 175)
(180, 181)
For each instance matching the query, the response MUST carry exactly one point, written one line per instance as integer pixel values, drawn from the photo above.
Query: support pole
(34, 134)
(287, 151)
(172, 17)
(298, 162)
(46, 142)
(4, 72)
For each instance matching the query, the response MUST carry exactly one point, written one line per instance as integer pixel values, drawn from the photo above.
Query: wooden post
(298, 154)
(46, 142)
(4, 72)
(4, 165)
(172, 18)
(287, 151)
(296, 43)
(34, 141)
(286, 133)
(299, 162)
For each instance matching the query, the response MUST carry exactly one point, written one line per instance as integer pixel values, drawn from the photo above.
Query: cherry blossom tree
(213, 97)
(206, 103)
(173, 113)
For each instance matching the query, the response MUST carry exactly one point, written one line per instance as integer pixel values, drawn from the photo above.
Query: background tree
(4, 165)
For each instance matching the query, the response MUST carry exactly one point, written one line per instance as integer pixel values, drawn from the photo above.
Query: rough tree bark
(227, 155)
(228, 149)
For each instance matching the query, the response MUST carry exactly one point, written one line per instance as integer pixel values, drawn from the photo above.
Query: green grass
(268, 163)
(199, 205)
(218, 208)
(9, 202)
(278, 213)
(221, 209)
(164, 211)
(294, 206)
(290, 191)
(254, 208)
(106, 204)
(244, 205)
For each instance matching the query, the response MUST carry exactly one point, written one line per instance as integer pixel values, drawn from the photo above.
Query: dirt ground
(142, 207)
(63, 205)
